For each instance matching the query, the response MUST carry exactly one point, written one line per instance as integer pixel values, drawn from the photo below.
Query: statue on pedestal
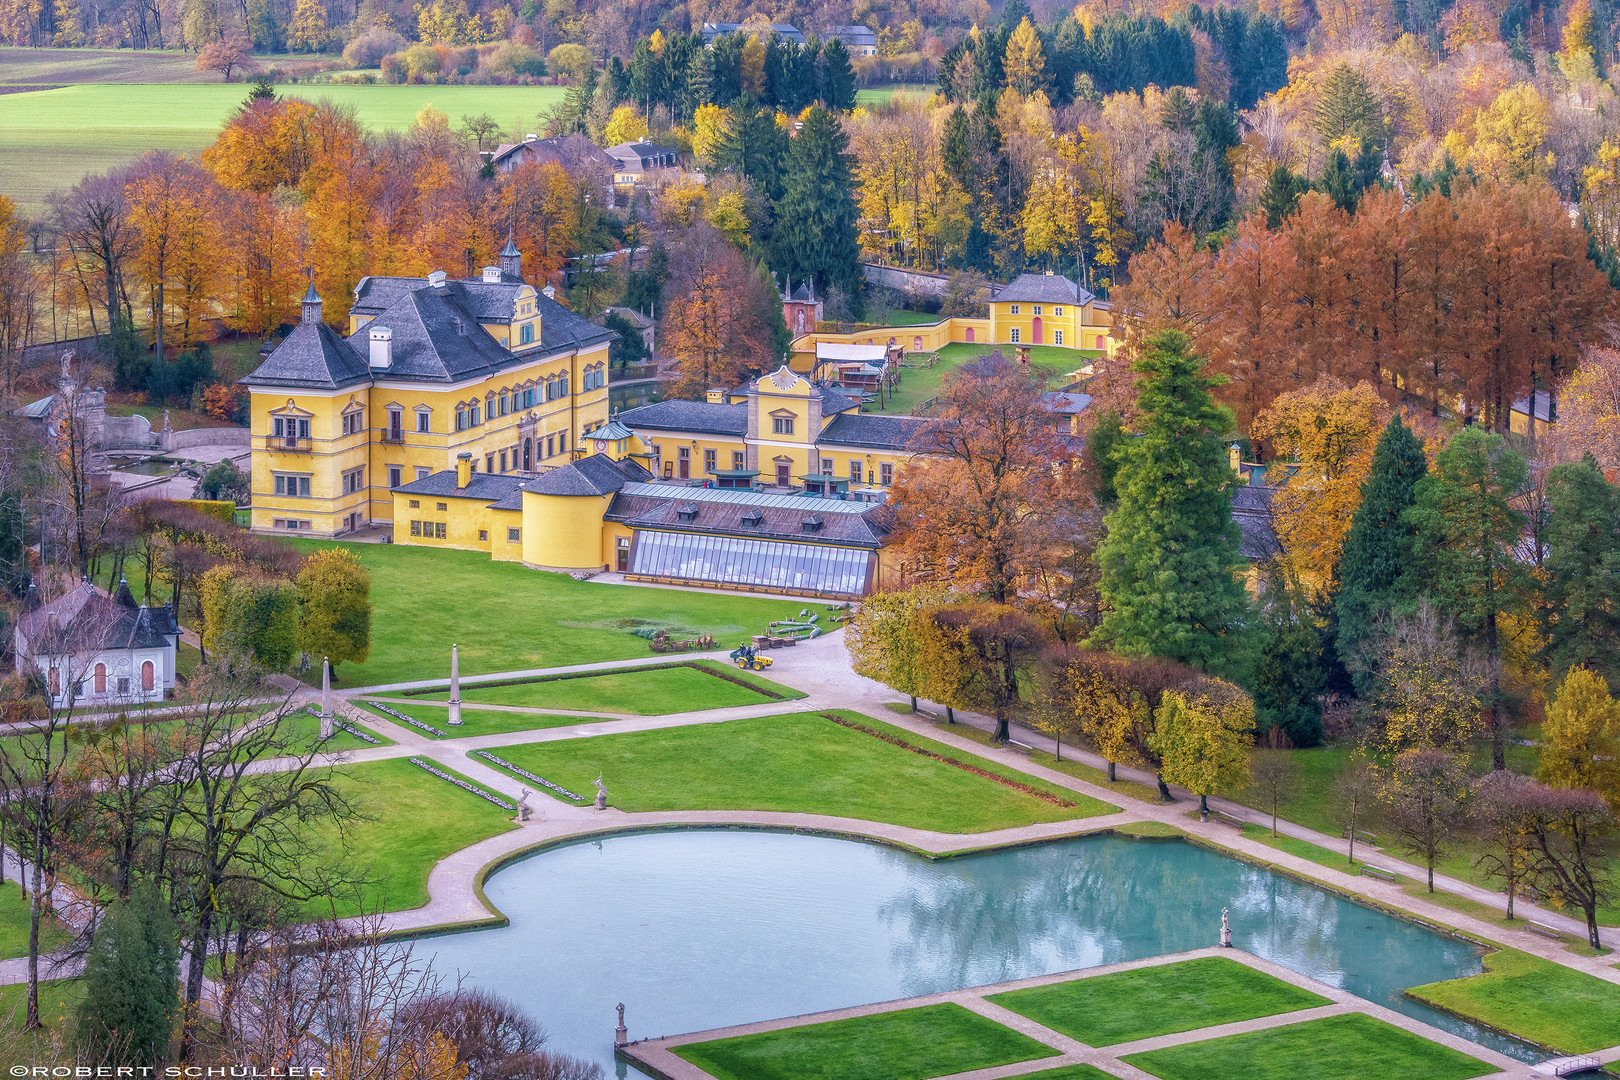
(601, 792)
(1226, 931)
(621, 1034)
(523, 806)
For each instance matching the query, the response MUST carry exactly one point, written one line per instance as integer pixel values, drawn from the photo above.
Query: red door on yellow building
(1035, 331)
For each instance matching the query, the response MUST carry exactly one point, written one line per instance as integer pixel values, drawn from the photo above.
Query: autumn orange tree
(173, 208)
(711, 329)
(971, 508)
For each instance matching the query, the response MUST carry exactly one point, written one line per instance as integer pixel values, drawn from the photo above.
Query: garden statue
(621, 1034)
(523, 806)
(601, 792)
(1226, 931)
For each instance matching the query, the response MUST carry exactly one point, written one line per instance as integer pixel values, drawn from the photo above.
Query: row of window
(432, 530)
(290, 523)
(1057, 309)
(683, 463)
(1017, 337)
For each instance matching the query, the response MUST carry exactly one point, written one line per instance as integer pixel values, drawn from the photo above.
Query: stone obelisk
(326, 699)
(455, 688)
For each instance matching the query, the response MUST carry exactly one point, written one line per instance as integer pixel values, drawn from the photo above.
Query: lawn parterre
(14, 917)
(473, 721)
(506, 617)
(304, 729)
(909, 1044)
(640, 691)
(412, 819)
(1128, 1005)
(1349, 1047)
(1548, 1004)
(799, 763)
(919, 384)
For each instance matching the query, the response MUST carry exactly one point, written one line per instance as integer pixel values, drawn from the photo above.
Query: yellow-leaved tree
(1580, 739)
(1328, 430)
(882, 637)
(1510, 137)
(1578, 58)
(1600, 193)
(1024, 63)
(626, 125)
(1203, 739)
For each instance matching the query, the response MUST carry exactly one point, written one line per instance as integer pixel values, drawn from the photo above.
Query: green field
(1547, 1003)
(909, 1044)
(1350, 1047)
(14, 918)
(411, 820)
(50, 138)
(802, 763)
(1140, 1004)
(648, 692)
(919, 384)
(507, 617)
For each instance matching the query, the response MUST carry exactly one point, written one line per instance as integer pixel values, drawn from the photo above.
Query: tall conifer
(132, 983)
(1582, 609)
(1379, 549)
(815, 220)
(1171, 564)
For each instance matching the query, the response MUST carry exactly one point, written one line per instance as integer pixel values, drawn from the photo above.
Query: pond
(629, 395)
(157, 466)
(706, 928)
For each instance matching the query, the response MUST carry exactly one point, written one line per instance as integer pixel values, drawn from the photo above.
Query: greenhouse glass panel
(741, 561)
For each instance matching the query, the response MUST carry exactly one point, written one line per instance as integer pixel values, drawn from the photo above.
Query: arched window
(148, 675)
(101, 678)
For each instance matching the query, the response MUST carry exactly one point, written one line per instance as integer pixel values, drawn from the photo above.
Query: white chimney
(382, 348)
(531, 137)
(550, 291)
(436, 279)
(492, 275)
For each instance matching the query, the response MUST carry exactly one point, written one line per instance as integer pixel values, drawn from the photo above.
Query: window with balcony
(396, 424)
(289, 428)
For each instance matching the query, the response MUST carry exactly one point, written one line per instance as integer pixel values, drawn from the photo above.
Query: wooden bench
(1227, 819)
(1016, 745)
(1545, 931)
(1379, 872)
(1362, 835)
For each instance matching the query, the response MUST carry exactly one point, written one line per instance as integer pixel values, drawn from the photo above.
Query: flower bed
(527, 775)
(396, 714)
(460, 783)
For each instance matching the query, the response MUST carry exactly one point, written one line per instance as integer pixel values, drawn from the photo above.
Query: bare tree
(92, 219)
(1504, 805)
(494, 1040)
(244, 830)
(1572, 843)
(1273, 775)
(1354, 800)
(1424, 795)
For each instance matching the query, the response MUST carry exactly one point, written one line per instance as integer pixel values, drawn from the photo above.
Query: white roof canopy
(827, 350)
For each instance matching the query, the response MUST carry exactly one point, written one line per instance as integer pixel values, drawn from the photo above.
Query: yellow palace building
(432, 371)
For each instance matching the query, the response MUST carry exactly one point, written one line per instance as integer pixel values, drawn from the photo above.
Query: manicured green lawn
(1068, 1072)
(1306, 850)
(800, 763)
(58, 999)
(52, 137)
(14, 926)
(1547, 1003)
(910, 1044)
(412, 820)
(306, 728)
(473, 721)
(642, 692)
(919, 384)
(506, 617)
(1349, 1047)
(1139, 1004)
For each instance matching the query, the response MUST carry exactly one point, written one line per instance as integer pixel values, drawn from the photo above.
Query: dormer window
(753, 518)
(686, 512)
(811, 524)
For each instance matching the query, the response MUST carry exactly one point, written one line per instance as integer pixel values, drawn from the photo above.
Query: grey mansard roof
(676, 415)
(870, 430)
(436, 339)
(313, 356)
(594, 475)
(1043, 289)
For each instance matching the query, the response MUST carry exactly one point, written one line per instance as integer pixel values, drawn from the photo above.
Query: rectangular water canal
(702, 929)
